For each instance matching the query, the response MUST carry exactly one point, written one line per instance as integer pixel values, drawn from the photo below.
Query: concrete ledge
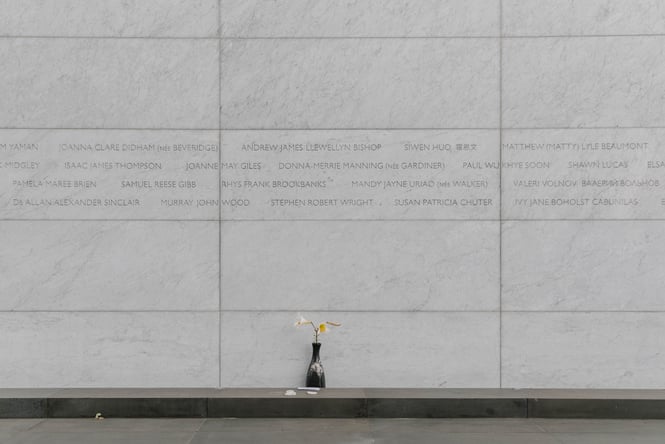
(127, 407)
(287, 408)
(332, 403)
(597, 408)
(446, 408)
(22, 408)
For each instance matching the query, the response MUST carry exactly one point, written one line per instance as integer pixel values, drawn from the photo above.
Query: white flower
(302, 321)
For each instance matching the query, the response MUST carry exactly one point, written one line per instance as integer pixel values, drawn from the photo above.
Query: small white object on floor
(312, 393)
(290, 393)
(99, 416)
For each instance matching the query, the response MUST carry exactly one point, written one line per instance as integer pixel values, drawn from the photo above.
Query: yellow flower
(322, 328)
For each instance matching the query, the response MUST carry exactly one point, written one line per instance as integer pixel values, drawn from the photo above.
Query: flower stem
(316, 334)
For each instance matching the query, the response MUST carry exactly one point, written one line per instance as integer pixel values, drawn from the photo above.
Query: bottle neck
(316, 347)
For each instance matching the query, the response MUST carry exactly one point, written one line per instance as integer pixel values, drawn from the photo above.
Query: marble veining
(597, 174)
(366, 18)
(582, 265)
(588, 17)
(355, 83)
(63, 349)
(109, 266)
(474, 188)
(583, 350)
(416, 266)
(368, 350)
(108, 83)
(104, 174)
(109, 18)
(360, 175)
(584, 82)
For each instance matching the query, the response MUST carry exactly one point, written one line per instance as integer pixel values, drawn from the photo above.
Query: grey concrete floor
(324, 431)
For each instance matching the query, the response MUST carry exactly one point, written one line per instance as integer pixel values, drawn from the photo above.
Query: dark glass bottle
(315, 375)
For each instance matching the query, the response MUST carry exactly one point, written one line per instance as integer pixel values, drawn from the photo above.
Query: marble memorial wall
(474, 188)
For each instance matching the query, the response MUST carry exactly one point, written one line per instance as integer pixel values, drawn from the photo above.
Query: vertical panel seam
(219, 188)
(501, 193)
